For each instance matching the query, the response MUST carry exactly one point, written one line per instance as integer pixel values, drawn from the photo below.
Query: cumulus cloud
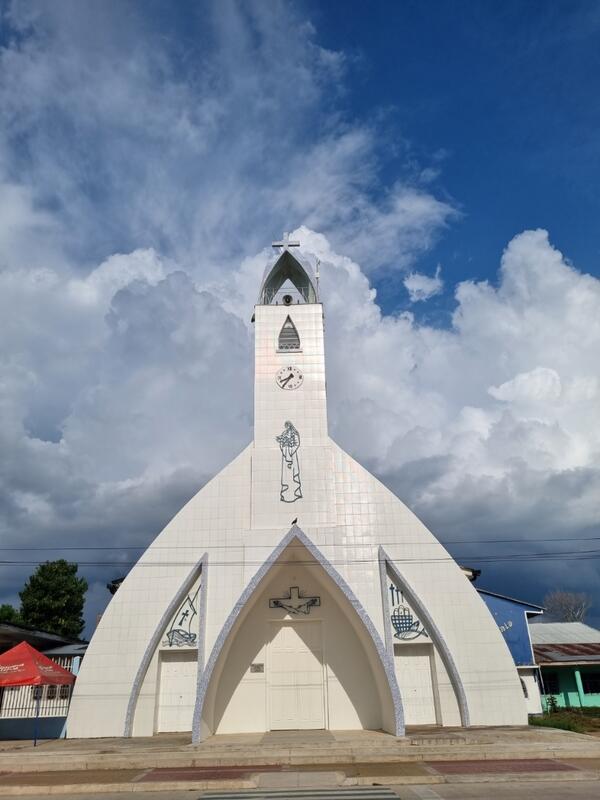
(421, 287)
(538, 386)
(139, 199)
(204, 154)
(160, 398)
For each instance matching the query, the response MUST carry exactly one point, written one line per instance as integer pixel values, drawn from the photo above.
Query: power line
(569, 555)
(444, 543)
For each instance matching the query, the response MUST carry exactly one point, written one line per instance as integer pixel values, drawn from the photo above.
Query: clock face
(289, 378)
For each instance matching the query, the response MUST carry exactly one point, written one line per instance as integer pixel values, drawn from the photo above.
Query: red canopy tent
(23, 665)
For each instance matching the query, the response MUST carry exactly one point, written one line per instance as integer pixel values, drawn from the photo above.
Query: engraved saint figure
(289, 442)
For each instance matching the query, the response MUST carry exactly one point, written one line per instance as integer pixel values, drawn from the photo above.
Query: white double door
(296, 683)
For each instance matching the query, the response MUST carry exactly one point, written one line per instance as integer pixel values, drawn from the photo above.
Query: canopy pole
(37, 716)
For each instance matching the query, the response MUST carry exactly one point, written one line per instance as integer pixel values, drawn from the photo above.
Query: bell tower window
(288, 336)
(289, 281)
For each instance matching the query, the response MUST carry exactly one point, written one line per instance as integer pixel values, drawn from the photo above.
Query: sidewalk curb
(18, 761)
(388, 780)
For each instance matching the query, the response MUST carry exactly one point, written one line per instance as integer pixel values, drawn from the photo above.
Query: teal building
(568, 655)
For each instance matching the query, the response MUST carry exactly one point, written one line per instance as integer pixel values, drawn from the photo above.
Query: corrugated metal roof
(561, 653)
(67, 650)
(563, 633)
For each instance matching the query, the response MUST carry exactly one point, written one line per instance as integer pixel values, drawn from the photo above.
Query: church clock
(289, 378)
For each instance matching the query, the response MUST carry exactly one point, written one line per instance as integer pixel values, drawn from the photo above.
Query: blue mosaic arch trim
(296, 533)
(434, 633)
(389, 644)
(198, 569)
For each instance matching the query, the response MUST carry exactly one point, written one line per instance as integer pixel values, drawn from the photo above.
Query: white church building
(293, 590)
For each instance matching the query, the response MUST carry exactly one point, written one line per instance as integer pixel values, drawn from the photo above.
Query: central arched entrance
(300, 654)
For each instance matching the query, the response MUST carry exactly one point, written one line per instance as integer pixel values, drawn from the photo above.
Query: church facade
(294, 590)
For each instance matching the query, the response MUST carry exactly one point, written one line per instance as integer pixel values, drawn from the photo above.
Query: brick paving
(69, 778)
(163, 774)
(500, 766)
(245, 772)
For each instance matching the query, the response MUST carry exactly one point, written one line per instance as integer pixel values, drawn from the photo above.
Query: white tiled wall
(238, 519)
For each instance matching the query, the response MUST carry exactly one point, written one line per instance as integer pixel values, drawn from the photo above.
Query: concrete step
(26, 762)
(358, 793)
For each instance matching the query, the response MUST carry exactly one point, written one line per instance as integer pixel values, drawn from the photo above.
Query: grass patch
(566, 720)
(563, 720)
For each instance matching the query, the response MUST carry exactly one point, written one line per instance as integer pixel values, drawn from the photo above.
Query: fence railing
(18, 702)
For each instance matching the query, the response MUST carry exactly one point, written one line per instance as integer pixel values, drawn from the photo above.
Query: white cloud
(421, 287)
(137, 430)
(138, 200)
(124, 150)
(541, 385)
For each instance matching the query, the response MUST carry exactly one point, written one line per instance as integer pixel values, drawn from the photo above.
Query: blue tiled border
(296, 533)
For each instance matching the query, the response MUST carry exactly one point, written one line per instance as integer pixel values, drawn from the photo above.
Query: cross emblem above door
(295, 603)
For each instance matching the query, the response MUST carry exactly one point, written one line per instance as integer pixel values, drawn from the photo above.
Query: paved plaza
(297, 761)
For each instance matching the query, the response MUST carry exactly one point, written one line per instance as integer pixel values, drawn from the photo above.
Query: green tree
(10, 614)
(53, 599)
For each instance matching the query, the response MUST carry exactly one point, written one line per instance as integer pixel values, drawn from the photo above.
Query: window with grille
(591, 682)
(51, 692)
(551, 685)
(65, 691)
(37, 692)
(288, 337)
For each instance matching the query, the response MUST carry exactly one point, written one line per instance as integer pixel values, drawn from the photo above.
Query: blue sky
(504, 95)
(442, 154)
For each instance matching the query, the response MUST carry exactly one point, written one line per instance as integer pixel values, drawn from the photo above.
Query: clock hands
(289, 378)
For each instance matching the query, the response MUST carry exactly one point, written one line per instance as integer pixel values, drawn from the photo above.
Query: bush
(564, 720)
(590, 711)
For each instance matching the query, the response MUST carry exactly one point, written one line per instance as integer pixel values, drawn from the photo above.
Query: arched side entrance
(199, 570)
(387, 566)
(297, 651)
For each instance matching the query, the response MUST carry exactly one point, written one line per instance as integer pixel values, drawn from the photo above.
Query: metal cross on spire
(285, 242)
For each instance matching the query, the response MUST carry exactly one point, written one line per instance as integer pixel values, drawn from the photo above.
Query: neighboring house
(568, 654)
(513, 619)
(18, 703)
(11, 634)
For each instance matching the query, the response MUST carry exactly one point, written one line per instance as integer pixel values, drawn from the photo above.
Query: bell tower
(290, 404)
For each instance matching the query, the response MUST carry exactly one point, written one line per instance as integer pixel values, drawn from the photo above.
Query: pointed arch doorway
(298, 652)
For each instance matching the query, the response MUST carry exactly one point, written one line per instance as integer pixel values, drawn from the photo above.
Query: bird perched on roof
(294, 521)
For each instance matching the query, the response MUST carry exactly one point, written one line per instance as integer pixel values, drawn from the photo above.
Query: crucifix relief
(295, 603)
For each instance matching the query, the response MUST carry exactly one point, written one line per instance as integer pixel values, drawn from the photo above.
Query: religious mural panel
(183, 630)
(404, 622)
